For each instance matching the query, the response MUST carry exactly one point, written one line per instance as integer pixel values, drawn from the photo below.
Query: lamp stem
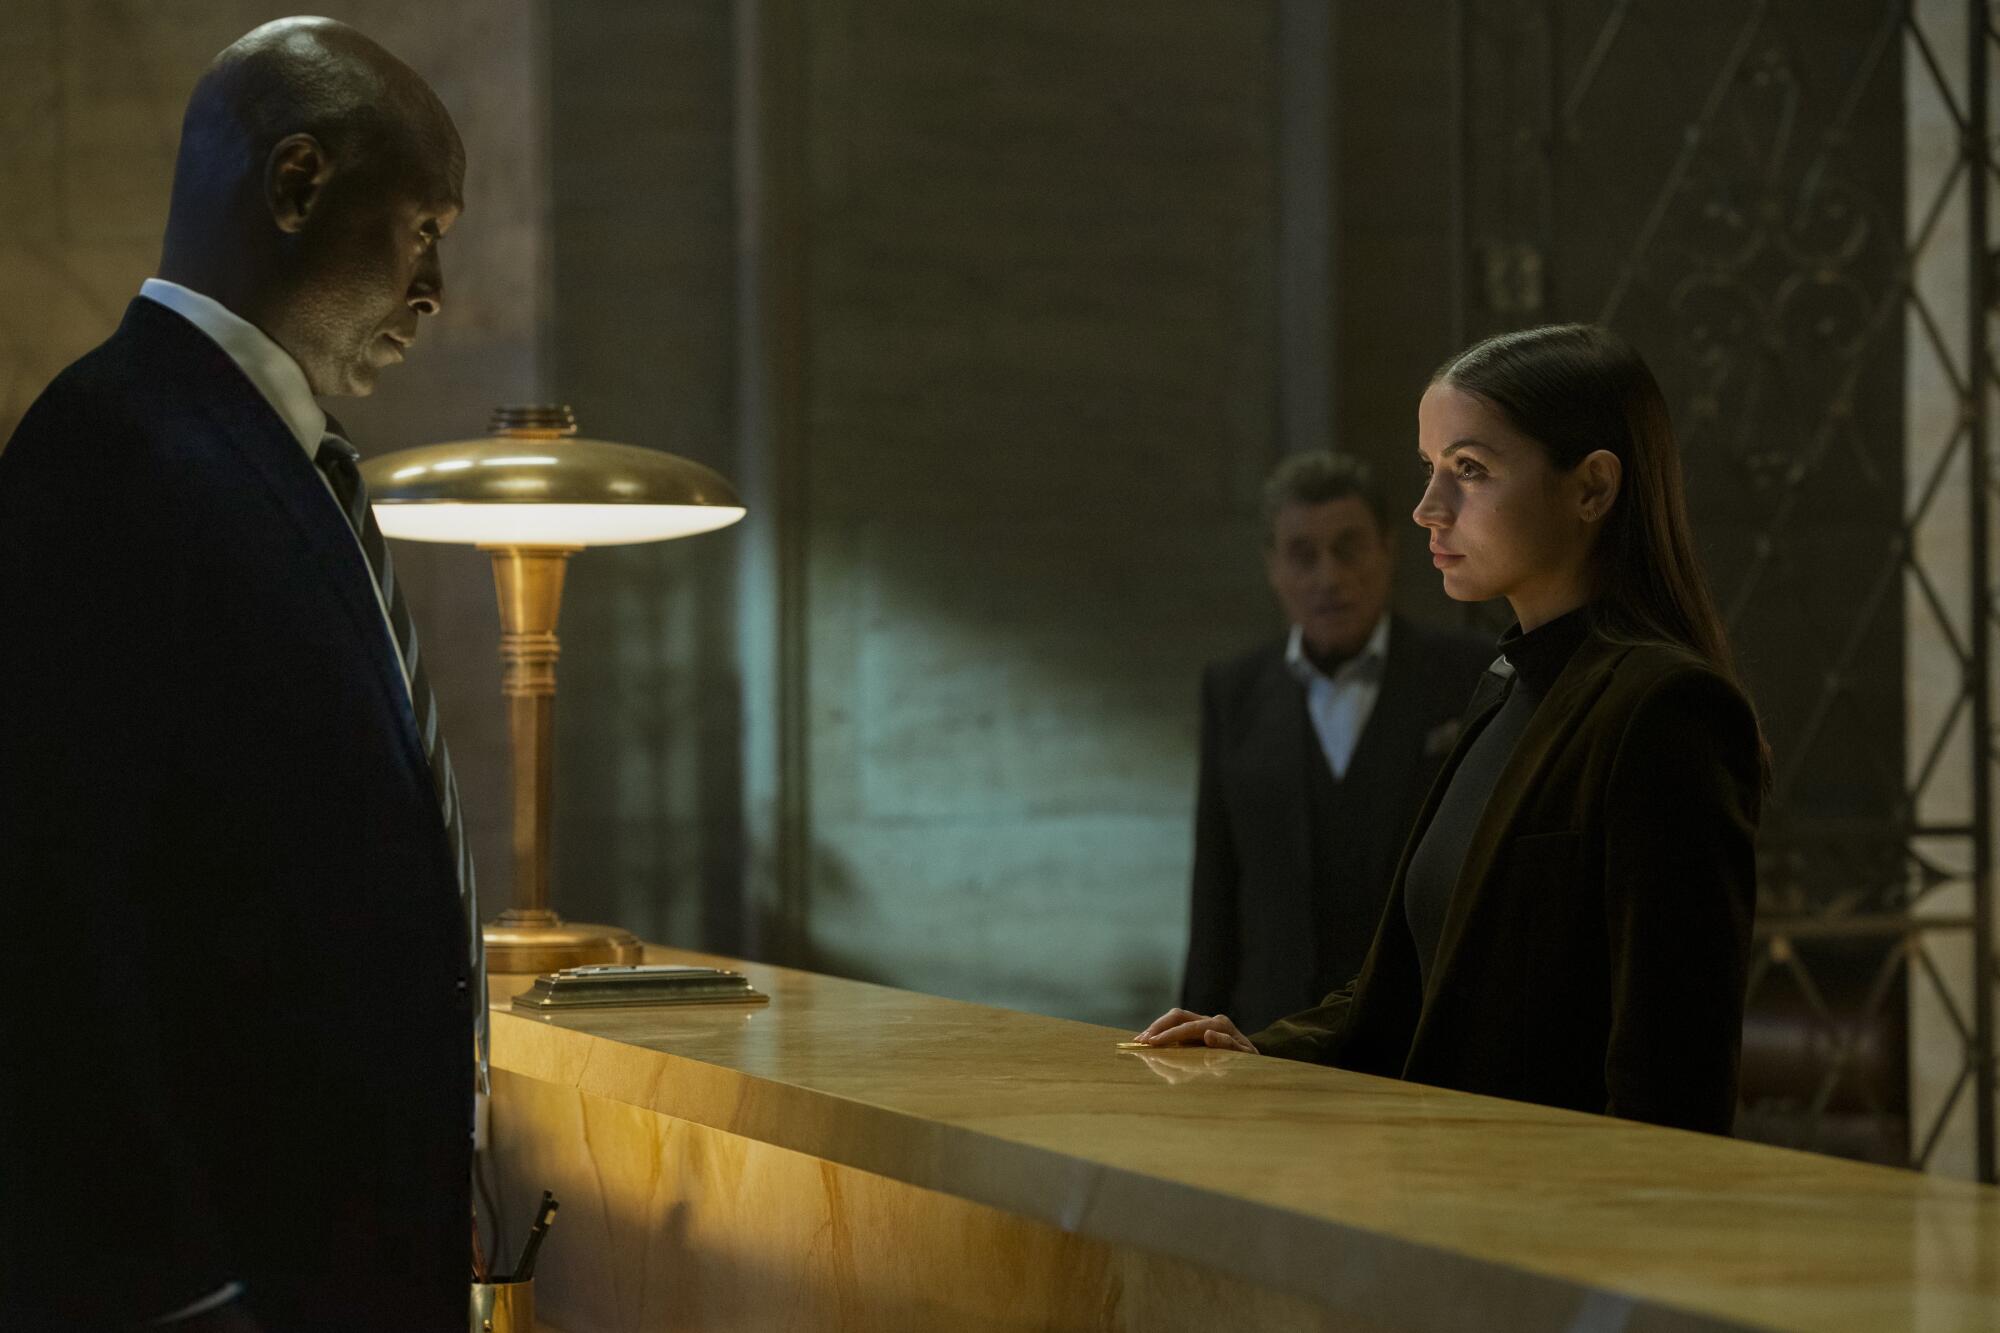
(529, 583)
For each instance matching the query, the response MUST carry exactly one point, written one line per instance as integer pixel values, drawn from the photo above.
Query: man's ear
(295, 174)
(1600, 476)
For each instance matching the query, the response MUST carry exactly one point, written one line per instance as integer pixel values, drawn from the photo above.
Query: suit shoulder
(1227, 680)
(1643, 667)
(72, 449)
(85, 392)
(1666, 712)
(1664, 682)
(1246, 665)
(106, 397)
(108, 440)
(150, 378)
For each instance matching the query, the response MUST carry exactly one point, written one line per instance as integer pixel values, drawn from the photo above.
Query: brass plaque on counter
(619, 985)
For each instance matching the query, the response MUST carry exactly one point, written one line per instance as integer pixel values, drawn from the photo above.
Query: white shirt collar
(1372, 654)
(267, 365)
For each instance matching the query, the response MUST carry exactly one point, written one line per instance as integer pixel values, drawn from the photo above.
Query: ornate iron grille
(1730, 185)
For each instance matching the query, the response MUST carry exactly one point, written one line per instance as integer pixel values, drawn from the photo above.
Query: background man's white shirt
(1340, 704)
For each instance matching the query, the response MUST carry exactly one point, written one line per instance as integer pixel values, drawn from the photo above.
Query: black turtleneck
(1537, 658)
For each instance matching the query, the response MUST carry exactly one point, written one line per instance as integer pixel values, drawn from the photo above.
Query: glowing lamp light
(532, 494)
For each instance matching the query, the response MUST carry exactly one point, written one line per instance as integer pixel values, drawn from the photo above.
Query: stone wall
(1040, 391)
(642, 330)
(1018, 267)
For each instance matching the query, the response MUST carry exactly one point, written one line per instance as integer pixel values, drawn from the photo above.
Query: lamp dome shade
(544, 490)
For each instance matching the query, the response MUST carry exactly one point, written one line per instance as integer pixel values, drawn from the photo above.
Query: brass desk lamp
(532, 494)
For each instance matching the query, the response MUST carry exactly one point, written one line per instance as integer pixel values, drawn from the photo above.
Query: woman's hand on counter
(1184, 1027)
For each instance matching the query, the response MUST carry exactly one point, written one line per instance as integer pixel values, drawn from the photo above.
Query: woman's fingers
(1199, 1030)
(1229, 1039)
(1184, 1027)
(1171, 1019)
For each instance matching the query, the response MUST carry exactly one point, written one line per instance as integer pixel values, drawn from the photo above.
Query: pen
(543, 1216)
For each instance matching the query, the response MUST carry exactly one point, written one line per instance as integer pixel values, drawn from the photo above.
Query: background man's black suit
(213, 797)
(1291, 868)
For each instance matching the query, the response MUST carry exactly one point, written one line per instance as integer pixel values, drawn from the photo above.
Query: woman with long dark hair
(1570, 922)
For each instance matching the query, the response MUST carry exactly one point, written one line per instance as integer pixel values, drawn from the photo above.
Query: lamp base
(537, 942)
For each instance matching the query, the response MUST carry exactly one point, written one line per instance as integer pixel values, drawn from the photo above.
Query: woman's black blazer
(1595, 952)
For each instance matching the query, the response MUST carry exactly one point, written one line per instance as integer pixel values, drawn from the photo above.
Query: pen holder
(503, 1307)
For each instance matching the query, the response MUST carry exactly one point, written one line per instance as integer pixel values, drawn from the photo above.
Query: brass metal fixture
(532, 494)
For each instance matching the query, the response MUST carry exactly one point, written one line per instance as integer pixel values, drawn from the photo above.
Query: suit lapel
(1268, 764)
(1486, 699)
(265, 447)
(1579, 686)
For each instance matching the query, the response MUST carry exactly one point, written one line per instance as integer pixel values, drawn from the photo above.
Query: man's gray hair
(1315, 478)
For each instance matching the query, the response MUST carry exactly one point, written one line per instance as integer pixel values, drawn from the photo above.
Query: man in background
(1317, 750)
(238, 1045)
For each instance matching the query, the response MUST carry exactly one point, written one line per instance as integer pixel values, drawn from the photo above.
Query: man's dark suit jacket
(238, 1038)
(1268, 935)
(1596, 950)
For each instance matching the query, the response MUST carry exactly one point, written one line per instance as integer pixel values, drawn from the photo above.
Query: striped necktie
(341, 464)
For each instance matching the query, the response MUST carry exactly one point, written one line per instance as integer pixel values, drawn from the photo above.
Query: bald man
(237, 1058)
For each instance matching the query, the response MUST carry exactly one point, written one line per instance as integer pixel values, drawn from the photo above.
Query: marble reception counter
(851, 1156)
